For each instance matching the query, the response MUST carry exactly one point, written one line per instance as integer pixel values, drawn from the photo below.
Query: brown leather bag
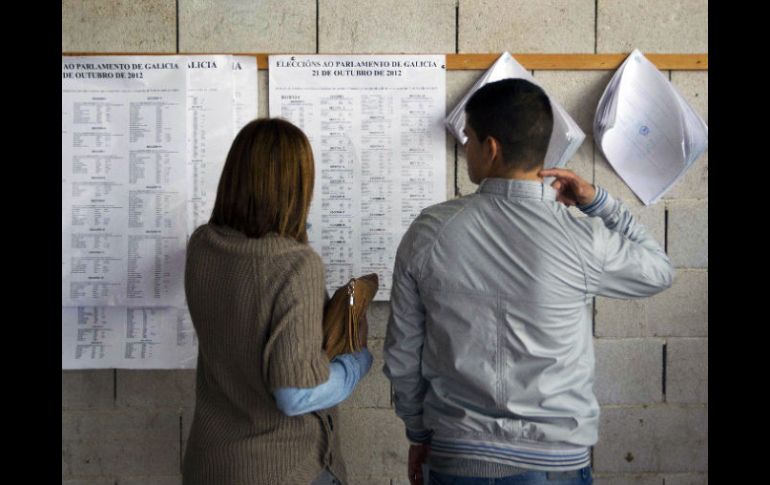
(345, 316)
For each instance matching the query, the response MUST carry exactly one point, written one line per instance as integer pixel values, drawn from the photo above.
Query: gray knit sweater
(257, 307)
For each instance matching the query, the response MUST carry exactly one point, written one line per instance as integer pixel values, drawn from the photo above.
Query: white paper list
(221, 98)
(120, 178)
(132, 338)
(210, 130)
(647, 130)
(376, 127)
(245, 97)
(123, 181)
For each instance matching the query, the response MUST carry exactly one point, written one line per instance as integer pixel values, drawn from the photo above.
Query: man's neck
(517, 174)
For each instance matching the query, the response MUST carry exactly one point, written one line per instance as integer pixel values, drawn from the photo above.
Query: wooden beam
(578, 62)
(538, 62)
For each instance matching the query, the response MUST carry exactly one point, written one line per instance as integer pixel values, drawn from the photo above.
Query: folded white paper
(646, 129)
(566, 136)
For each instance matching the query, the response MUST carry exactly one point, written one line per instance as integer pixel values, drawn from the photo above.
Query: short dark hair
(267, 181)
(517, 113)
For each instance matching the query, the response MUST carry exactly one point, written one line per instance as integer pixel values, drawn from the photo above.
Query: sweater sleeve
(294, 355)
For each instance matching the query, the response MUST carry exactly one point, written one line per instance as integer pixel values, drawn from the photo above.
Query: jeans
(532, 477)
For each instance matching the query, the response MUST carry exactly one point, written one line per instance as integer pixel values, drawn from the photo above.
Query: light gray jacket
(489, 343)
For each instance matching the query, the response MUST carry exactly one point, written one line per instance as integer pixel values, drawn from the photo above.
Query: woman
(256, 292)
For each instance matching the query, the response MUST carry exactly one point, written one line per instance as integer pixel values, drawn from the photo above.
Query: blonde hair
(267, 181)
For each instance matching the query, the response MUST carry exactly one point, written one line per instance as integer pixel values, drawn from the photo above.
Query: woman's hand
(571, 189)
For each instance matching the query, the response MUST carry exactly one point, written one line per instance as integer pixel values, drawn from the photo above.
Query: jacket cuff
(602, 206)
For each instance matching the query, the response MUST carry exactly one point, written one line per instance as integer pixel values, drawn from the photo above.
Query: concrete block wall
(129, 427)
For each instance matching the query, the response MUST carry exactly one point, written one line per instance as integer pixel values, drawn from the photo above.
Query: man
(489, 344)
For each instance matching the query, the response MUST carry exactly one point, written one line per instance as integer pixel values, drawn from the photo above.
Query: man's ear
(492, 149)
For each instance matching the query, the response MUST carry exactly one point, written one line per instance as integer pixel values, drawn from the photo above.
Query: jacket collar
(517, 189)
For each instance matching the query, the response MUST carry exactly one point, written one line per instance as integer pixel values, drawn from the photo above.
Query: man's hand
(418, 454)
(571, 189)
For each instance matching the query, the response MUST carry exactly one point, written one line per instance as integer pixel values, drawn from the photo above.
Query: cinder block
(66, 460)
(657, 438)
(119, 443)
(82, 389)
(629, 371)
(658, 26)
(464, 184)
(368, 481)
(687, 479)
(377, 317)
(120, 457)
(373, 391)
(90, 481)
(451, 165)
(688, 233)
(578, 92)
(615, 317)
(653, 218)
(169, 480)
(118, 26)
(457, 85)
(694, 86)
(687, 370)
(373, 442)
(628, 479)
(524, 26)
(264, 26)
(695, 183)
(582, 162)
(263, 106)
(386, 26)
(123, 425)
(680, 311)
(156, 388)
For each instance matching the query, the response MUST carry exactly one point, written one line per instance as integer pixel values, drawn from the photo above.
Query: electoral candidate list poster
(144, 140)
(376, 125)
(124, 189)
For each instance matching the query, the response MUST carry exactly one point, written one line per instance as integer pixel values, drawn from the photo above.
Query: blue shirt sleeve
(344, 373)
